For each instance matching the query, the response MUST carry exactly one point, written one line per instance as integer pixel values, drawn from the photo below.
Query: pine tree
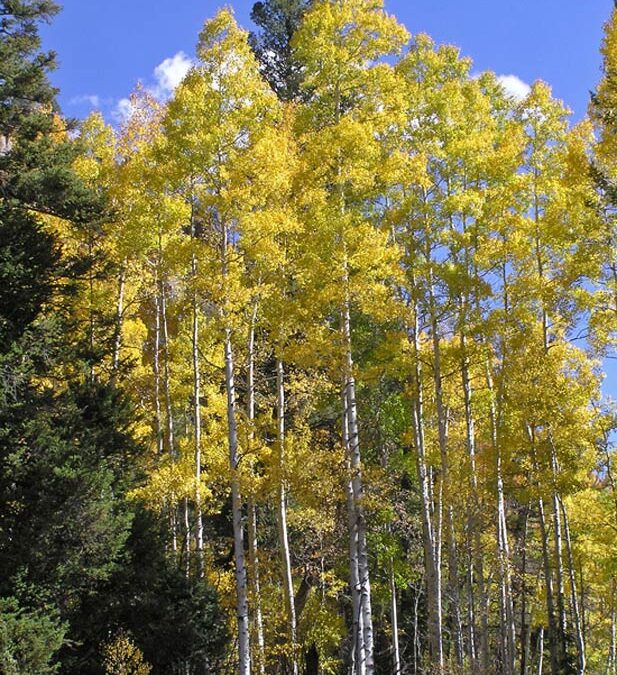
(277, 21)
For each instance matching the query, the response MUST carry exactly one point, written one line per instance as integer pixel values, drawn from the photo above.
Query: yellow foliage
(122, 657)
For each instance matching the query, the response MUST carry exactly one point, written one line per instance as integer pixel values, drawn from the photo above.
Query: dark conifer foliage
(277, 21)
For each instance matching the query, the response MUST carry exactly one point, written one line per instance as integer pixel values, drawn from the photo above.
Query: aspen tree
(556, 253)
(398, 262)
(337, 44)
(430, 78)
(270, 232)
(214, 118)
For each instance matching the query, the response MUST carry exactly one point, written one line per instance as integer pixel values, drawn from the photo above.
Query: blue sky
(106, 46)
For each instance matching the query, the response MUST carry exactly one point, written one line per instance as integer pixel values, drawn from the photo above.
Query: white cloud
(169, 73)
(514, 86)
(93, 100)
(167, 76)
(122, 111)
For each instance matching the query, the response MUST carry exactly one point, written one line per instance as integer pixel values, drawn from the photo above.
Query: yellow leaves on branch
(171, 482)
(338, 40)
(123, 657)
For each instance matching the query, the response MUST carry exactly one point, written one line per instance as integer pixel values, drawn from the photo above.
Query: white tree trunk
(525, 640)
(288, 589)
(613, 646)
(242, 610)
(580, 641)
(157, 374)
(431, 556)
(553, 639)
(358, 660)
(442, 425)
(252, 509)
(560, 590)
(187, 539)
(242, 606)
(507, 623)
(356, 468)
(396, 653)
(199, 531)
(477, 558)
(119, 318)
(540, 650)
(256, 586)
(417, 643)
(168, 405)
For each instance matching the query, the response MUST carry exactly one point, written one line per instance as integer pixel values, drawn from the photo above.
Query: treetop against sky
(106, 46)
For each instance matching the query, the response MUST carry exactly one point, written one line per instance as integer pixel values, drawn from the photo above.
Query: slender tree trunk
(525, 627)
(582, 605)
(252, 509)
(474, 525)
(540, 649)
(242, 609)
(442, 423)
(508, 636)
(91, 306)
(550, 602)
(157, 374)
(160, 441)
(611, 481)
(417, 643)
(199, 531)
(580, 641)
(119, 319)
(166, 354)
(358, 654)
(169, 418)
(560, 586)
(560, 636)
(507, 623)
(356, 467)
(256, 586)
(613, 645)
(454, 591)
(358, 553)
(358, 651)
(288, 589)
(173, 524)
(396, 653)
(187, 539)
(352, 418)
(559, 573)
(471, 614)
(431, 556)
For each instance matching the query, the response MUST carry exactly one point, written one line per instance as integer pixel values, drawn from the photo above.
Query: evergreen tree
(277, 21)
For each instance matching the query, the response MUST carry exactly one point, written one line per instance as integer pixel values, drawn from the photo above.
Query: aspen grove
(301, 368)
